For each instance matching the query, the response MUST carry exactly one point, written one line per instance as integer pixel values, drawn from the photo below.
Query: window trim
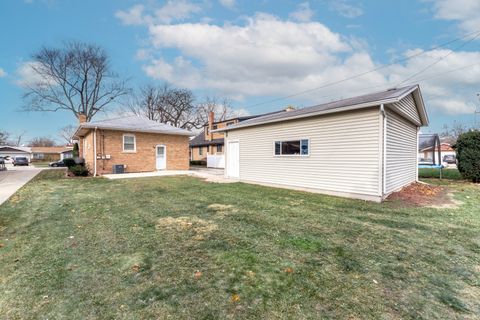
(291, 155)
(200, 151)
(134, 143)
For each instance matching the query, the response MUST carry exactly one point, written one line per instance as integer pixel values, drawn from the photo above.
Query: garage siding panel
(407, 108)
(401, 157)
(344, 153)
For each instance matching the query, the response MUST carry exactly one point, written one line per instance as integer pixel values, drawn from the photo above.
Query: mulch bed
(421, 195)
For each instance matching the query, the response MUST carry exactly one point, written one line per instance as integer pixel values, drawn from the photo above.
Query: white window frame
(292, 155)
(134, 143)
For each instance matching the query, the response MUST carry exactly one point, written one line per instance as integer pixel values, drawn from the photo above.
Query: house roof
(132, 124)
(364, 101)
(51, 149)
(199, 141)
(14, 148)
(443, 147)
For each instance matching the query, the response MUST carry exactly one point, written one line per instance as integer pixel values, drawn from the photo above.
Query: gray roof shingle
(371, 99)
(135, 124)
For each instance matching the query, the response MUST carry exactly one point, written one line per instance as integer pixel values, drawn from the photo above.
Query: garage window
(292, 148)
(129, 144)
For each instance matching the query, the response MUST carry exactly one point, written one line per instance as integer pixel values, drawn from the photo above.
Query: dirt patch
(199, 227)
(424, 195)
(222, 209)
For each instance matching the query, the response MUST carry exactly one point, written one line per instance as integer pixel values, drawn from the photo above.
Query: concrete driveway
(14, 178)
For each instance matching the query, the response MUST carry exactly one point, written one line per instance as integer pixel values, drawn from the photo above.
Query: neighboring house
(363, 147)
(428, 153)
(12, 152)
(209, 145)
(134, 143)
(51, 153)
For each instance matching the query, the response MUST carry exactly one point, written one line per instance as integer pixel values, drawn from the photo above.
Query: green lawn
(181, 248)
(452, 174)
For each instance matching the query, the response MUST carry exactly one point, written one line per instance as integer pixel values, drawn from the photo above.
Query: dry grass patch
(199, 227)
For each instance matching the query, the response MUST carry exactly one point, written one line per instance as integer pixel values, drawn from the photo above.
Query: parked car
(20, 161)
(59, 163)
(450, 159)
(7, 159)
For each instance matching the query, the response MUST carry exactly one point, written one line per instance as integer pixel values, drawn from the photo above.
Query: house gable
(408, 109)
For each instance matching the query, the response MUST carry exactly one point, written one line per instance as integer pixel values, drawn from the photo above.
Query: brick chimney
(81, 118)
(211, 119)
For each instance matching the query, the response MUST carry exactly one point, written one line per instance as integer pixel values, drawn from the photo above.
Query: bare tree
(42, 142)
(76, 77)
(177, 107)
(4, 135)
(451, 133)
(66, 133)
(17, 141)
(166, 104)
(220, 106)
(146, 103)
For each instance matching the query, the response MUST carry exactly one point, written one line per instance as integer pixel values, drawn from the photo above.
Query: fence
(216, 161)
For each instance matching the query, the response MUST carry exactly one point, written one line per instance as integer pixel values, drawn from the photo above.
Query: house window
(292, 147)
(219, 148)
(200, 151)
(129, 143)
(215, 127)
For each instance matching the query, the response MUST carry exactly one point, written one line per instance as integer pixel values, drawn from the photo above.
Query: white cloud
(173, 10)
(303, 13)
(27, 76)
(268, 56)
(133, 16)
(465, 12)
(3, 73)
(227, 3)
(345, 9)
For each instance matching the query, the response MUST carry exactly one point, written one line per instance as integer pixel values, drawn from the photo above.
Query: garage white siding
(401, 157)
(407, 108)
(344, 153)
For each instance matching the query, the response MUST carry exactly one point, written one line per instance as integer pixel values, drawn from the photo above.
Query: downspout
(416, 154)
(95, 152)
(384, 150)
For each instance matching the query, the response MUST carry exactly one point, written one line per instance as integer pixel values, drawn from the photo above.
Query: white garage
(12, 152)
(363, 147)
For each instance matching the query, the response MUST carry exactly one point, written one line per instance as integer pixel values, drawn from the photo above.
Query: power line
(386, 86)
(477, 33)
(439, 59)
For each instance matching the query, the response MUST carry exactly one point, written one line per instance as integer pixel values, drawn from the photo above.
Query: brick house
(51, 153)
(212, 143)
(138, 144)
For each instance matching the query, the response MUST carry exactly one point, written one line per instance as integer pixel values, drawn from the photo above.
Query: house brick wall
(110, 143)
(217, 135)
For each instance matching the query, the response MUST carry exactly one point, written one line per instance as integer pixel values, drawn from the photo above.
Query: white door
(161, 157)
(233, 160)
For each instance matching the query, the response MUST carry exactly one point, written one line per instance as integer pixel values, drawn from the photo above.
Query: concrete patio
(210, 175)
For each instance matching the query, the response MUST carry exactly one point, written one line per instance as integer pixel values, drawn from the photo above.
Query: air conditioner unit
(118, 168)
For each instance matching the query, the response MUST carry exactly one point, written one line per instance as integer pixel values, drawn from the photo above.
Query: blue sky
(253, 51)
